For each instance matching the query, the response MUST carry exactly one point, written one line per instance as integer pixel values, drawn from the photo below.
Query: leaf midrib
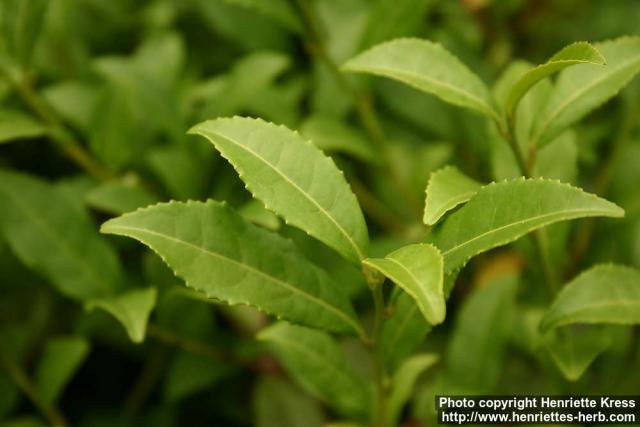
(304, 193)
(522, 222)
(253, 270)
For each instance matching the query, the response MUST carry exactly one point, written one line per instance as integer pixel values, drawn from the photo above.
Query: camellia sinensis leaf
(582, 88)
(502, 212)
(575, 53)
(293, 179)
(447, 188)
(428, 67)
(318, 364)
(602, 294)
(220, 254)
(403, 382)
(417, 269)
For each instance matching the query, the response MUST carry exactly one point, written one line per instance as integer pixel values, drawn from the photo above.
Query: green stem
(49, 411)
(379, 415)
(526, 166)
(58, 132)
(364, 107)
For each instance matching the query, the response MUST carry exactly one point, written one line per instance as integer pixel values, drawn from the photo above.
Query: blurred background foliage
(96, 97)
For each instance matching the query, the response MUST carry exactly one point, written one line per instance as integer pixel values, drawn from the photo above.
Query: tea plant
(353, 222)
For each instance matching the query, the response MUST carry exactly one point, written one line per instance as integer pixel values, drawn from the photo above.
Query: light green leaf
(332, 135)
(574, 350)
(427, 66)
(447, 188)
(475, 352)
(118, 197)
(602, 294)
(573, 54)
(403, 382)
(132, 309)
(317, 363)
(404, 331)
(277, 403)
(502, 212)
(62, 357)
(583, 88)
(255, 212)
(294, 179)
(52, 234)
(221, 255)
(18, 125)
(417, 269)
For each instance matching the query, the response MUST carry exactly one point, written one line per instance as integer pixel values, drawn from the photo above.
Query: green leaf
(573, 54)
(277, 403)
(390, 19)
(191, 373)
(417, 269)
(447, 188)
(404, 331)
(403, 382)
(502, 212)
(62, 357)
(118, 197)
(22, 22)
(475, 352)
(574, 350)
(332, 135)
(255, 212)
(132, 309)
(278, 10)
(294, 179)
(583, 88)
(18, 125)
(426, 66)
(216, 252)
(602, 294)
(51, 234)
(317, 363)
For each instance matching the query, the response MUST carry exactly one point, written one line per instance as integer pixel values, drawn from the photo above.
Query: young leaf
(574, 350)
(428, 67)
(447, 188)
(417, 269)
(575, 53)
(294, 179)
(475, 351)
(316, 361)
(18, 125)
(61, 359)
(216, 252)
(403, 382)
(131, 309)
(502, 212)
(278, 403)
(22, 22)
(402, 333)
(581, 89)
(602, 294)
(52, 235)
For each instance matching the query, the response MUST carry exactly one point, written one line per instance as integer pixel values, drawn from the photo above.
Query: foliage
(340, 209)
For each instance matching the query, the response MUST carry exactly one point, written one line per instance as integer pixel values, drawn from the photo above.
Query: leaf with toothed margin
(417, 269)
(582, 88)
(217, 252)
(428, 67)
(502, 212)
(573, 54)
(447, 188)
(294, 179)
